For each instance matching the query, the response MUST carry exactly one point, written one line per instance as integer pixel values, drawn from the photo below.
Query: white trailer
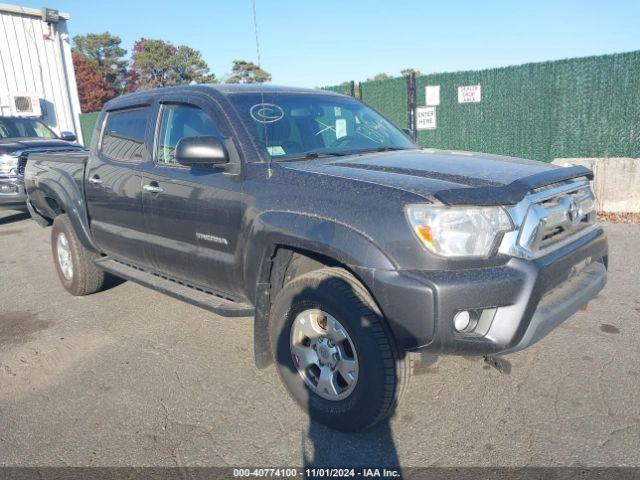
(36, 70)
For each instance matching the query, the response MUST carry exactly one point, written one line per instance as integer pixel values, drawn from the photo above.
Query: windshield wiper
(390, 149)
(312, 155)
(319, 154)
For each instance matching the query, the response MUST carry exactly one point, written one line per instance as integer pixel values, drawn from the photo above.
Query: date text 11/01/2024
(318, 472)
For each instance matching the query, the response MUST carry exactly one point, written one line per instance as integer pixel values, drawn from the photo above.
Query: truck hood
(450, 177)
(11, 145)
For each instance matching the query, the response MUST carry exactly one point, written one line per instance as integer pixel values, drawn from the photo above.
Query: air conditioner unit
(25, 105)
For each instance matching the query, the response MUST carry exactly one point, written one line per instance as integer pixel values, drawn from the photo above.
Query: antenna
(255, 29)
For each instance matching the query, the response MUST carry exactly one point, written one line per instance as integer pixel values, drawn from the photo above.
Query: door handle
(153, 188)
(95, 180)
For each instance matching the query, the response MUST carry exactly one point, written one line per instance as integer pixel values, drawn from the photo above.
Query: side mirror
(68, 136)
(409, 133)
(200, 152)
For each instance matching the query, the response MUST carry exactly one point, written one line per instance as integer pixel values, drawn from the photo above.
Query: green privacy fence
(582, 107)
(87, 122)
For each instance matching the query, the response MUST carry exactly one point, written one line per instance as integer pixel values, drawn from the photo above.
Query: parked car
(18, 138)
(308, 210)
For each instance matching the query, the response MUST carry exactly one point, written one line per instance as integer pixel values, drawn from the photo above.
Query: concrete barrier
(616, 181)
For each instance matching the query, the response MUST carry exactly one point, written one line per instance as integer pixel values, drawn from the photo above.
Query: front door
(113, 187)
(192, 214)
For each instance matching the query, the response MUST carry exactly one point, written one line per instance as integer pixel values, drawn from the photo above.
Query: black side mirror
(409, 133)
(68, 136)
(200, 152)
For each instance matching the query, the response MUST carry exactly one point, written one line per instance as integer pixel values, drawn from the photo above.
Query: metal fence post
(411, 104)
(352, 88)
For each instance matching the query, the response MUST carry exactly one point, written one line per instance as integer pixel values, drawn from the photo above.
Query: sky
(322, 43)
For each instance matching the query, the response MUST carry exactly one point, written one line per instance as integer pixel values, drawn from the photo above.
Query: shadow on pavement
(329, 448)
(14, 217)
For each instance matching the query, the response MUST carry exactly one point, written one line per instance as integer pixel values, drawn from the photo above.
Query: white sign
(341, 127)
(432, 95)
(469, 94)
(426, 118)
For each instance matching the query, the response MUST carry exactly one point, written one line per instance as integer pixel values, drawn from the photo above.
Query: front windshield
(288, 126)
(24, 128)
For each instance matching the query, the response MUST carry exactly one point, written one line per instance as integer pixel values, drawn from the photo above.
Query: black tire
(86, 277)
(383, 372)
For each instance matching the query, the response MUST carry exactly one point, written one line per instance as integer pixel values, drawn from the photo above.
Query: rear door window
(124, 133)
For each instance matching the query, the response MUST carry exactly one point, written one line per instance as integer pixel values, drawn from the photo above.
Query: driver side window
(181, 121)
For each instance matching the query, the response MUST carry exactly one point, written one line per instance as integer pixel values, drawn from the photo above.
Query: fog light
(461, 320)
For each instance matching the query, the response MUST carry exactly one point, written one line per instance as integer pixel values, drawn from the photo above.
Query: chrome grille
(549, 218)
(22, 163)
(23, 154)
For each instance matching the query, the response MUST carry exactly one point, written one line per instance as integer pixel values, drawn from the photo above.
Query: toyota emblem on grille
(574, 212)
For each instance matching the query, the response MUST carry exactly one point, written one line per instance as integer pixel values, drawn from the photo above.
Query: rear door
(192, 214)
(113, 187)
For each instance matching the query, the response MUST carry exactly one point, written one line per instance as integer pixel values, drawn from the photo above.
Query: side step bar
(208, 301)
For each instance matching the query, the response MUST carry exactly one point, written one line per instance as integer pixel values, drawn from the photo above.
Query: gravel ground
(131, 377)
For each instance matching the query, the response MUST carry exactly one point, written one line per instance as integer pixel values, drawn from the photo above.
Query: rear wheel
(75, 264)
(334, 351)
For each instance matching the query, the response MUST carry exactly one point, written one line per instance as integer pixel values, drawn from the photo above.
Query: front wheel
(334, 351)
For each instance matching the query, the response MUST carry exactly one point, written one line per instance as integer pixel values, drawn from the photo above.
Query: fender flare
(70, 197)
(311, 233)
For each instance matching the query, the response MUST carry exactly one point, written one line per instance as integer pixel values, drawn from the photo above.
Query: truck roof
(217, 89)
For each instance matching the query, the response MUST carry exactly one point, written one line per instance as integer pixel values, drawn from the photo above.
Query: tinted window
(180, 121)
(123, 137)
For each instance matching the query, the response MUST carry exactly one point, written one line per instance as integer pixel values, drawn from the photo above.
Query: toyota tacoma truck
(307, 210)
(19, 137)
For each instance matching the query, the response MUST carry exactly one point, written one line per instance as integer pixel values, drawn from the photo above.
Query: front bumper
(525, 299)
(12, 193)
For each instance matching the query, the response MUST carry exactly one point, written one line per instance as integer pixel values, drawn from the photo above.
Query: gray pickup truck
(308, 211)
(20, 137)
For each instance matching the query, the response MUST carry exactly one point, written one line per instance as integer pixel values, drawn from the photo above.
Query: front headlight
(458, 231)
(8, 164)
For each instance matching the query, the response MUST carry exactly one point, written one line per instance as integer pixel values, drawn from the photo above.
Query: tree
(157, 63)
(247, 72)
(93, 89)
(191, 67)
(380, 76)
(104, 52)
(408, 71)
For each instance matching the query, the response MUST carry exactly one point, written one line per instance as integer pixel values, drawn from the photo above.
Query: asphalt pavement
(128, 377)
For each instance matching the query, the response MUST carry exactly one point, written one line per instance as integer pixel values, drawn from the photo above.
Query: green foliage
(408, 71)
(247, 72)
(103, 50)
(379, 76)
(157, 63)
(189, 66)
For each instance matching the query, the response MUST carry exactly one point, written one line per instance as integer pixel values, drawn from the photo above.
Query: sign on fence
(432, 95)
(469, 94)
(425, 118)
